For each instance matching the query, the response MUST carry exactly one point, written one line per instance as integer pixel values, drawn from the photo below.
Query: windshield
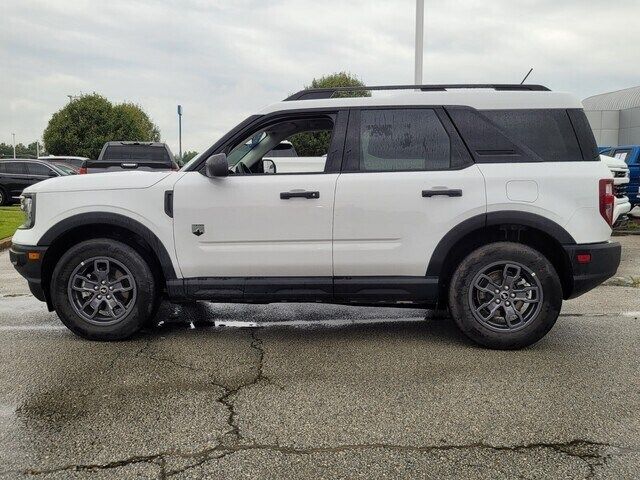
(66, 169)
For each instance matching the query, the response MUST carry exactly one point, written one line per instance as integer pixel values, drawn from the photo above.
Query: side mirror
(52, 174)
(217, 166)
(268, 166)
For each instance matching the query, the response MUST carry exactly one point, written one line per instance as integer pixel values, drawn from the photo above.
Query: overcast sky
(223, 60)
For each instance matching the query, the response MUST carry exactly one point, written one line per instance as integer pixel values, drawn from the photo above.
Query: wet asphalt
(320, 391)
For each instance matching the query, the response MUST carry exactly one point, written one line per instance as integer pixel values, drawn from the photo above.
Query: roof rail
(318, 93)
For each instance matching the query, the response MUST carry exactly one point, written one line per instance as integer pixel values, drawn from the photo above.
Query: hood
(99, 181)
(612, 162)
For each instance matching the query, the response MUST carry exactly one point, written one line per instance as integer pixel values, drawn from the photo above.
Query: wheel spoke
(510, 279)
(488, 286)
(492, 306)
(119, 286)
(101, 269)
(511, 313)
(522, 295)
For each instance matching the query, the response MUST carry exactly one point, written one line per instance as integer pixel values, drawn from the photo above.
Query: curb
(5, 243)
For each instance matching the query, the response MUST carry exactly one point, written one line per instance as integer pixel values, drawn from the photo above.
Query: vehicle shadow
(308, 321)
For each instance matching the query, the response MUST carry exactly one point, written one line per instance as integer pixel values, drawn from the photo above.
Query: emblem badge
(197, 229)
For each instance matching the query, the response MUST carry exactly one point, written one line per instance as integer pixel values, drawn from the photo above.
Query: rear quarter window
(549, 133)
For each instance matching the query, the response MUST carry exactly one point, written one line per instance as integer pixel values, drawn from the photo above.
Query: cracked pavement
(320, 391)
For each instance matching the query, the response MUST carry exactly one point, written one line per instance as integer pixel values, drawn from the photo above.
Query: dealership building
(615, 117)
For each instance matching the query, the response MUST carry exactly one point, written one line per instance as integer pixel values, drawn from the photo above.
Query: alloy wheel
(102, 290)
(505, 296)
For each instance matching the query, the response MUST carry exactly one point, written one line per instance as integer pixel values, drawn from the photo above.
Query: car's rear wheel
(505, 295)
(103, 289)
(3, 197)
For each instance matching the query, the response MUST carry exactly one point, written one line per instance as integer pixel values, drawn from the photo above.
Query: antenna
(526, 76)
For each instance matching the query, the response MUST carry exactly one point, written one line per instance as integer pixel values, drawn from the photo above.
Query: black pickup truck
(117, 156)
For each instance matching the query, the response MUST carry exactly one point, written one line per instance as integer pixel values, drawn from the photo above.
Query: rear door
(407, 181)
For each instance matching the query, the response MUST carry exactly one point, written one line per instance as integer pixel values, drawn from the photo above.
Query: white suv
(488, 199)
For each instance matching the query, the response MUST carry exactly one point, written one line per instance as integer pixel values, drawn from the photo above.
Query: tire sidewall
(537, 327)
(142, 276)
(3, 197)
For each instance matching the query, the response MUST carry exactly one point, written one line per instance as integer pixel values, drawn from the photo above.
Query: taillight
(82, 171)
(607, 200)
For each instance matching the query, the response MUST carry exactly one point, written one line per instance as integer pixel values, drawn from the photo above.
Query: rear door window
(38, 169)
(388, 140)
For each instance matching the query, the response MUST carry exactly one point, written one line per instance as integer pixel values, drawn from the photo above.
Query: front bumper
(27, 260)
(603, 264)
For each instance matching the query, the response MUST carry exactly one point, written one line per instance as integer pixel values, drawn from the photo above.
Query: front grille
(620, 190)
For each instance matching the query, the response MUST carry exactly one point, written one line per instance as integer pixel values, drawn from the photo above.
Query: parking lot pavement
(365, 393)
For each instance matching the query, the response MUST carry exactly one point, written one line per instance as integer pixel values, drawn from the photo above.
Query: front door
(257, 224)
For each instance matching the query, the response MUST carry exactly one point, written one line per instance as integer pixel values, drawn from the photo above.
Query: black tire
(137, 303)
(475, 290)
(4, 199)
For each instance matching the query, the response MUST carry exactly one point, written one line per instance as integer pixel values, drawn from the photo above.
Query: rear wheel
(3, 197)
(505, 295)
(103, 289)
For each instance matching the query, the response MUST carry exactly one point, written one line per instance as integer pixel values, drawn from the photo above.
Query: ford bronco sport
(442, 195)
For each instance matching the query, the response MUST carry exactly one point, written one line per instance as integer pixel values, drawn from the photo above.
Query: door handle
(288, 195)
(447, 192)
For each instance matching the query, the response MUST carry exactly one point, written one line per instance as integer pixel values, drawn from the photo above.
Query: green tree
(83, 126)
(130, 122)
(186, 156)
(315, 144)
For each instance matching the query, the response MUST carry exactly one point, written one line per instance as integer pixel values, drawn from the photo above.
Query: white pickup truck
(620, 172)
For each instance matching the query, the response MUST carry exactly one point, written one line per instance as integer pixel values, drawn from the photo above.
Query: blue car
(631, 155)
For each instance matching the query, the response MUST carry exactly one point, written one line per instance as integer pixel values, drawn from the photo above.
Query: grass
(10, 219)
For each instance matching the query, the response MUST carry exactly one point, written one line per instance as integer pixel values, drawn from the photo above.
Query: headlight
(28, 206)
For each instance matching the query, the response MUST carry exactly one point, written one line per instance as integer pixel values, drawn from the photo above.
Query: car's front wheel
(103, 289)
(505, 295)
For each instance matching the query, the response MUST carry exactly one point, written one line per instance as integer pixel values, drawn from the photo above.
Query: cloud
(225, 60)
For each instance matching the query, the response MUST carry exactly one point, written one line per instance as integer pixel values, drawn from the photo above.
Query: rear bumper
(605, 259)
(29, 266)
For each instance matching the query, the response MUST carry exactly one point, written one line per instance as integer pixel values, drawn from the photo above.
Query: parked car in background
(630, 154)
(118, 156)
(20, 173)
(284, 159)
(620, 172)
(78, 163)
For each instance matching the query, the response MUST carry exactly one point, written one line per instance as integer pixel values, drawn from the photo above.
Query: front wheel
(103, 289)
(505, 295)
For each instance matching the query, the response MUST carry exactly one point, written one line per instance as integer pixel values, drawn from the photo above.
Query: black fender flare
(116, 220)
(525, 219)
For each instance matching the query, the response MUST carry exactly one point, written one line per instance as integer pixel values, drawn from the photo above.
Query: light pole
(14, 144)
(419, 40)
(180, 132)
